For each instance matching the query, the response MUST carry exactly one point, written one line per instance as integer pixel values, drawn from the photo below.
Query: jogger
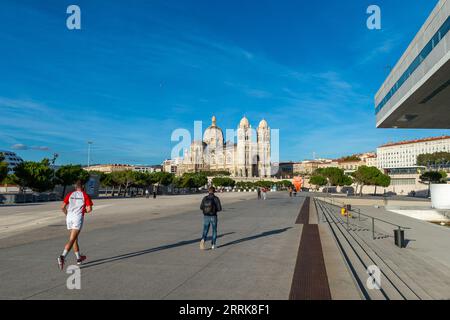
(74, 206)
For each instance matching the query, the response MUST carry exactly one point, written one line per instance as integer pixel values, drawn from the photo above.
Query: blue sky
(140, 69)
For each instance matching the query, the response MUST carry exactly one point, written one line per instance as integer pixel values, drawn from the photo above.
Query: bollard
(399, 237)
(373, 228)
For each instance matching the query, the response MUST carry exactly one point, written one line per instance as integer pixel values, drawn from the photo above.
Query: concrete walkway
(158, 257)
(149, 249)
(418, 271)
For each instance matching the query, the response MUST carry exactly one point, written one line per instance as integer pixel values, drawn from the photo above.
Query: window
(416, 63)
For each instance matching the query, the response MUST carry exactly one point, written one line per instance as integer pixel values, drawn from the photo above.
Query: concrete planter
(440, 196)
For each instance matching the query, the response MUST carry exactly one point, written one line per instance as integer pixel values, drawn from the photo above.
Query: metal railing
(358, 211)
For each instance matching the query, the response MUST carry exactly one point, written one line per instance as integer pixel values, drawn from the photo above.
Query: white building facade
(248, 157)
(416, 93)
(404, 154)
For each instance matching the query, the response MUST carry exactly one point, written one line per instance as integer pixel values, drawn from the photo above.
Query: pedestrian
(74, 206)
(259, 193)
(290, 192)
(210, 206)
(264, 193)
(147, 193)
(155, 191)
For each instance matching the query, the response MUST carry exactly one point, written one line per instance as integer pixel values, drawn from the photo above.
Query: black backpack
(209, 205)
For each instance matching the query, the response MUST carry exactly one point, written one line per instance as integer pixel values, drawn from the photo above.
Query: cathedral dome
(263, 124)
(244, 123)
(213, 134)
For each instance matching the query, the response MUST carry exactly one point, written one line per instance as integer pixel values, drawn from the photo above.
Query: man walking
(264, 193)
(155, 191)
(74, 206)
(210, 206)
(259, 193)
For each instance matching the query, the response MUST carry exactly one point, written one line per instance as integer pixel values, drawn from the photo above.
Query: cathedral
(246, 155)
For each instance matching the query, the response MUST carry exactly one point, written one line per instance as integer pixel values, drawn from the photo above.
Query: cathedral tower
(263, 146)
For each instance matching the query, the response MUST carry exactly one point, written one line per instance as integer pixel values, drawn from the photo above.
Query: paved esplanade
(149, 249)
(282, 248)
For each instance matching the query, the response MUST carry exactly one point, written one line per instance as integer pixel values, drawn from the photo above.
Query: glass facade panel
(440, 34)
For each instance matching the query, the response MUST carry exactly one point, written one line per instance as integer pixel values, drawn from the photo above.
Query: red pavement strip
(303, 217)
(310, 281)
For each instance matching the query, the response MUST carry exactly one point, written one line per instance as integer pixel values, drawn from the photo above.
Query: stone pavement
(157, 256)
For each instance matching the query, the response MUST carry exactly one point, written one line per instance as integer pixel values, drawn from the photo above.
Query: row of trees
(223, 182)
(263, 184)
(191, 180)
(364, 176)
(123, 181)
(436, 159)
(216, 173)
(40, 177)
(330, 176)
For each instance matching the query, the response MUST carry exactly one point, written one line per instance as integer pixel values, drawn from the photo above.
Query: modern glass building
(11, 158)
(416, 93)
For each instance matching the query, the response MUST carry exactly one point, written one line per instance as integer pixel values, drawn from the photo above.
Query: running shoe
(80, 261)
(61, 262)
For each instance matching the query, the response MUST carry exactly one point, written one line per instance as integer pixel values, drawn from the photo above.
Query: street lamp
(89, 153)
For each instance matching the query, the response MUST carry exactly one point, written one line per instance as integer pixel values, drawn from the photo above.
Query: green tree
(433, 159)
(367, 176)
(122, 180)
(318, 181)
(216, 173)
(284, 184)
(163, 178)
(143, 180)
(128, 178)
(11, 179)
(382, 180)
(3, 168)
(197, 180)
(106, 180)
(223, 182)
(69, 174)
(38, 176)
(191, 180)
(350, 158)
(264, 184)
(335, 176)
(431, 177)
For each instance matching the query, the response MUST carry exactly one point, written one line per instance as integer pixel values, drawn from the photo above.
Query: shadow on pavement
(146, 251)
(261, 235)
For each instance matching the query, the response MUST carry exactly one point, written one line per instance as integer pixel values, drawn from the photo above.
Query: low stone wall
(12, 198)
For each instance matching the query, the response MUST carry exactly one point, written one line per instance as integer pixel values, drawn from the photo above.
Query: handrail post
(347, 220)
(373, 228)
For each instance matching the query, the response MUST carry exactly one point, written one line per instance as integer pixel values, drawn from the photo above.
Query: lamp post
(89, 153)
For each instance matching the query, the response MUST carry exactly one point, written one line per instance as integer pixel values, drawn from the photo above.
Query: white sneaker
(213, 247)
(202, 245)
